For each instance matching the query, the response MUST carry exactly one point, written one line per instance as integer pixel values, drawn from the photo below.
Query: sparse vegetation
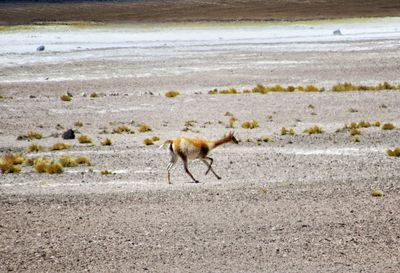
(148, 141)
(94, 95)
(59, 146)
(172, 94)
(289, 131)
(106, 142)
(376, 123)
(250, 124)
(105, 172)
(341, 87)
(54, 167)
(34, 148)
(354, 132)
(144, 128)
(376, 193)
(395, 152)
(355, 139)
(11, 163)
(155, 138)
(122, 129)
(314, 130)
(78, 123)
(67, 161)
(388, 126)
(30, 135)
(231, 122)
(84, 139)
(82, 160)
(65, 98)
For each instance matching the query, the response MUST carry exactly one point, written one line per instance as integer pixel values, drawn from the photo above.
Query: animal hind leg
(172, 162)
(185, 165)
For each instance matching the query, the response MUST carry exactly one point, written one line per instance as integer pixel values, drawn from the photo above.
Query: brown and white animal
(194, 148)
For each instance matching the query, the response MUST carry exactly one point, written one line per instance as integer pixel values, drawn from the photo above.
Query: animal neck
(221, 141)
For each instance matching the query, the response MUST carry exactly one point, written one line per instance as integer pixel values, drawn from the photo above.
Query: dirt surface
(297, 203)
(190, 10)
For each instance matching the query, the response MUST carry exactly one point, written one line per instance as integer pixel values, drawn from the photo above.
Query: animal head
(231, 137)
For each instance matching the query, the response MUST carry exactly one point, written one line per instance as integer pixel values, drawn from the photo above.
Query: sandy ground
(298, 204)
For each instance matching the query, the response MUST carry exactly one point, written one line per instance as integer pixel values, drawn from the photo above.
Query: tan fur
(195, 148)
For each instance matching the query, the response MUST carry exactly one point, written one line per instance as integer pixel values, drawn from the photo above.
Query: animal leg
(172, 162)
(211, 162)
(185, 165)
(210, 168)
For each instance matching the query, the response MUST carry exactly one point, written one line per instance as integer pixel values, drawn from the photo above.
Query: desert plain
(285, 203)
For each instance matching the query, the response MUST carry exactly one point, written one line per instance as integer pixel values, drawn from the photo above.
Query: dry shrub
(395, 152)
(355, 139)
(250, 124)
(78, 123)
(340, 87)
(30, 135)
(213, 92)
(376, 123)
(231, 122)
(314, 130)
(376, 193)
(84, 139)
(122, 129)
(67, 161)
(354, 132)
(260, 89)
(105, 172)
(106, 142)
(65, 98)
(289, 131)
(155, 138)
(148, 141)
(172, 94)
(34, 148)
(54, 167)
(144, 128)
(59, 146)
(388, 126)
(93, 95)
(10, 163)
(229, 91)
(311, 88)
(80, 160)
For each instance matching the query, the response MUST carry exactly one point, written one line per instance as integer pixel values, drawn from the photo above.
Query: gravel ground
(299, 203)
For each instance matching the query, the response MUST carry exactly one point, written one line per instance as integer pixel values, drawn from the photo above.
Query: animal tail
(169, 141)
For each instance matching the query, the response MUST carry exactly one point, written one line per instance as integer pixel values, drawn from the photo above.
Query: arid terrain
(285, 203)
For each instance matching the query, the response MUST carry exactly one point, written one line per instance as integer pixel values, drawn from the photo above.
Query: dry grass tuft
(106, 172)
(341, 87)
(250, 124)
(94, 95)
(122, 129)
(106, 142)
(84, 139)
(172, 94)
(314, 130)
(82, 160)
(34, 148)
(355, 139)
(30, 135)
(59, 146)
(78, 123)
(376, 193)
(388, 126)
(376, 123)
(155, 138)
(54, 167)
(144, 128)
(65, 98)
(10, 163)
(231, 122)
(148, 141)
(354, 132)
(395, 152)
(289, 131)
(67, 161)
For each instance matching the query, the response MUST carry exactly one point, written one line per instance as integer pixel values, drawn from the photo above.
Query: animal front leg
(210, 168)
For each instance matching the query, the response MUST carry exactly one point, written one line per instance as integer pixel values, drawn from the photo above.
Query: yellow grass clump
(78, 123)
(84, 139)
(94, 95)
(54, 167)
(354, 132)
(341, 87)
(355, 139)
(122, 129)
(34, 148)
(314, 130)
(30, 135)
(376, 123)
(155, 138)
(148, 141)
(106, 142)
(82, 160)
(229, 91)
(289, 131)
(106, 172)
(395, 152)
(388, 126)
(11, 163)
(46, 165)
(250, 124)
(65, 98)
(231, 122)
(144, 128)
(172, 94)
(59, 146)
(67, 161)
(376, 193)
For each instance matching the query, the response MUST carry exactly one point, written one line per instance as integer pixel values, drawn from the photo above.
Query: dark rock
(337, 32)
(69, 134)
(40, 48)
